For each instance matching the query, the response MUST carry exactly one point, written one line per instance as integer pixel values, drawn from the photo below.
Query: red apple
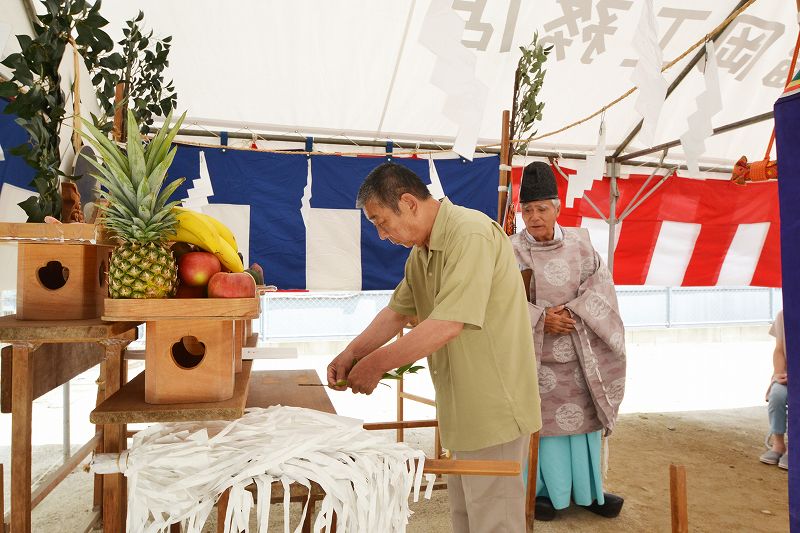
(187, 291)
(232, 285)
(196, 268)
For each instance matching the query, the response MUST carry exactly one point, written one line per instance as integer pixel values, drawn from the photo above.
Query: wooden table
(280, 387)
(26, 359)
(127, 406)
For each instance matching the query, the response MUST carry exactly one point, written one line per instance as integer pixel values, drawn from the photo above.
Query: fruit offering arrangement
(201, 274)
(145, 222)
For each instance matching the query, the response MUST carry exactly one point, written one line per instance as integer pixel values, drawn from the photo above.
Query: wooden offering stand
(193, 348)
(61, 269)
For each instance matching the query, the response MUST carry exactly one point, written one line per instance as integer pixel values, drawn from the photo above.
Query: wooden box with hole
(61, 269)
(191, 350)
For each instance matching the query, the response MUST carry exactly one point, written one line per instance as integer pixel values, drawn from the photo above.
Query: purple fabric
(582, 374)
(787, 120)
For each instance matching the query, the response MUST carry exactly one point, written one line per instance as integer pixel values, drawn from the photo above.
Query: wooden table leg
(222, 510)
(98, 478)
(309, 519)
(114, 441)
(21, 418)
(677, 498)
(533, 465)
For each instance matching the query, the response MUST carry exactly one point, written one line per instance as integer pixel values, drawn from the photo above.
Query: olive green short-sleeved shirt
(486, 385)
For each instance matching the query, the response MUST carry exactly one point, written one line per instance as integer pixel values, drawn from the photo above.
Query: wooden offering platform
(182, 308)
(13, 330)
(283, 387)
(72, 233)
(128, 406)
(194, 349)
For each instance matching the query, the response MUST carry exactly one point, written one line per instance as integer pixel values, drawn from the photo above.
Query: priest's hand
(558, 321)
(365, 376)
(339, 368)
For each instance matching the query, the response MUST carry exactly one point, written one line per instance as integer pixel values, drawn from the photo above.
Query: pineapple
(142, 266)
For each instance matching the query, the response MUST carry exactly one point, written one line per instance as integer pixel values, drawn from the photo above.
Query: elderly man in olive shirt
(463, 283)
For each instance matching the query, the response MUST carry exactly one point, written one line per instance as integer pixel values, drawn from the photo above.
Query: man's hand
(364, 377)
(558, 321)
(339, 368)
(782, 378)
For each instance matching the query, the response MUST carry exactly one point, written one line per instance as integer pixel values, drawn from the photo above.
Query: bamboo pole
(76, 102)
(502, 187)
(119, 114)
(677, 499)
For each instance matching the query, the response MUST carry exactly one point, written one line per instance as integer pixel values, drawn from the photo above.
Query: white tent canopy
(358, 67)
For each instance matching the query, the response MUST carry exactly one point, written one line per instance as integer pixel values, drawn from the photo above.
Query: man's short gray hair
(556, 203)
(387, 183)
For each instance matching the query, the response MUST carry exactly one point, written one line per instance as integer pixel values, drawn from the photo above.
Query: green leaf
(167, 191)
(77, 6)
(8, 89)
(109, 150)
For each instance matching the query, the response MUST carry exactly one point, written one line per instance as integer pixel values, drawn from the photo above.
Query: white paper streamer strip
(709, 103)
(454, 73)
(647, 75)
(201, 188)
(177, 471)
(435, 187)
(593, 169)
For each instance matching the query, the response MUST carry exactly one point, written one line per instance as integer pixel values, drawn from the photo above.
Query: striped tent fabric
(688, 232)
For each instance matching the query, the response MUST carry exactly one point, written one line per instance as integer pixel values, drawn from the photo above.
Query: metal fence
(332, 315)
(314, 315)
(697, 306)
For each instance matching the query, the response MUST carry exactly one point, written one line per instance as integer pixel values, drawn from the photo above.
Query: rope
(632, 90)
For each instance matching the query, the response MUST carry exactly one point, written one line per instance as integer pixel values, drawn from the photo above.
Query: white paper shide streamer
(592, 169)
(647, 75)
(455, 74)
(201, 188)
(176, 472)
(709, 103)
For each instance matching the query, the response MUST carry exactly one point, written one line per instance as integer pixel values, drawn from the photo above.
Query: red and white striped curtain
(689, 232)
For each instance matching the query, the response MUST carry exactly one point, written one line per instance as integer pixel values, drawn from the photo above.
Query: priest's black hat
(538, 183)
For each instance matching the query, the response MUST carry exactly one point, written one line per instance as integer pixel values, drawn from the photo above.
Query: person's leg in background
(777, 425)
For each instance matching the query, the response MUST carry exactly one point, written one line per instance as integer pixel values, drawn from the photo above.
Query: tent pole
(722, 129)
(502, 188)
(612, 214)
(677, 81)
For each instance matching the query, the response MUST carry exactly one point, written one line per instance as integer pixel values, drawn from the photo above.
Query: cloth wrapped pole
(176, 472)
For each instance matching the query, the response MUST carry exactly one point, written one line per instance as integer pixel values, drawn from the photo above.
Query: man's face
(540, 218)
(399, 227)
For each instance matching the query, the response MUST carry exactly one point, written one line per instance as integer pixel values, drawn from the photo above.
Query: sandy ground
(674, 412)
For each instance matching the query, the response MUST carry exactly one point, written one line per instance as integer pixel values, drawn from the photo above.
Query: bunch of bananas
(209, 234)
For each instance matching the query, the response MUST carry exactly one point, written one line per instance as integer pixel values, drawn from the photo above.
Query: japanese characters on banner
(587, 25)
(348, 86)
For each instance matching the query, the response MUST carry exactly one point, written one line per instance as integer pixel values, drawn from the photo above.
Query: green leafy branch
(37, 98)
(139, 67)
(528, 81)
(395, 374)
